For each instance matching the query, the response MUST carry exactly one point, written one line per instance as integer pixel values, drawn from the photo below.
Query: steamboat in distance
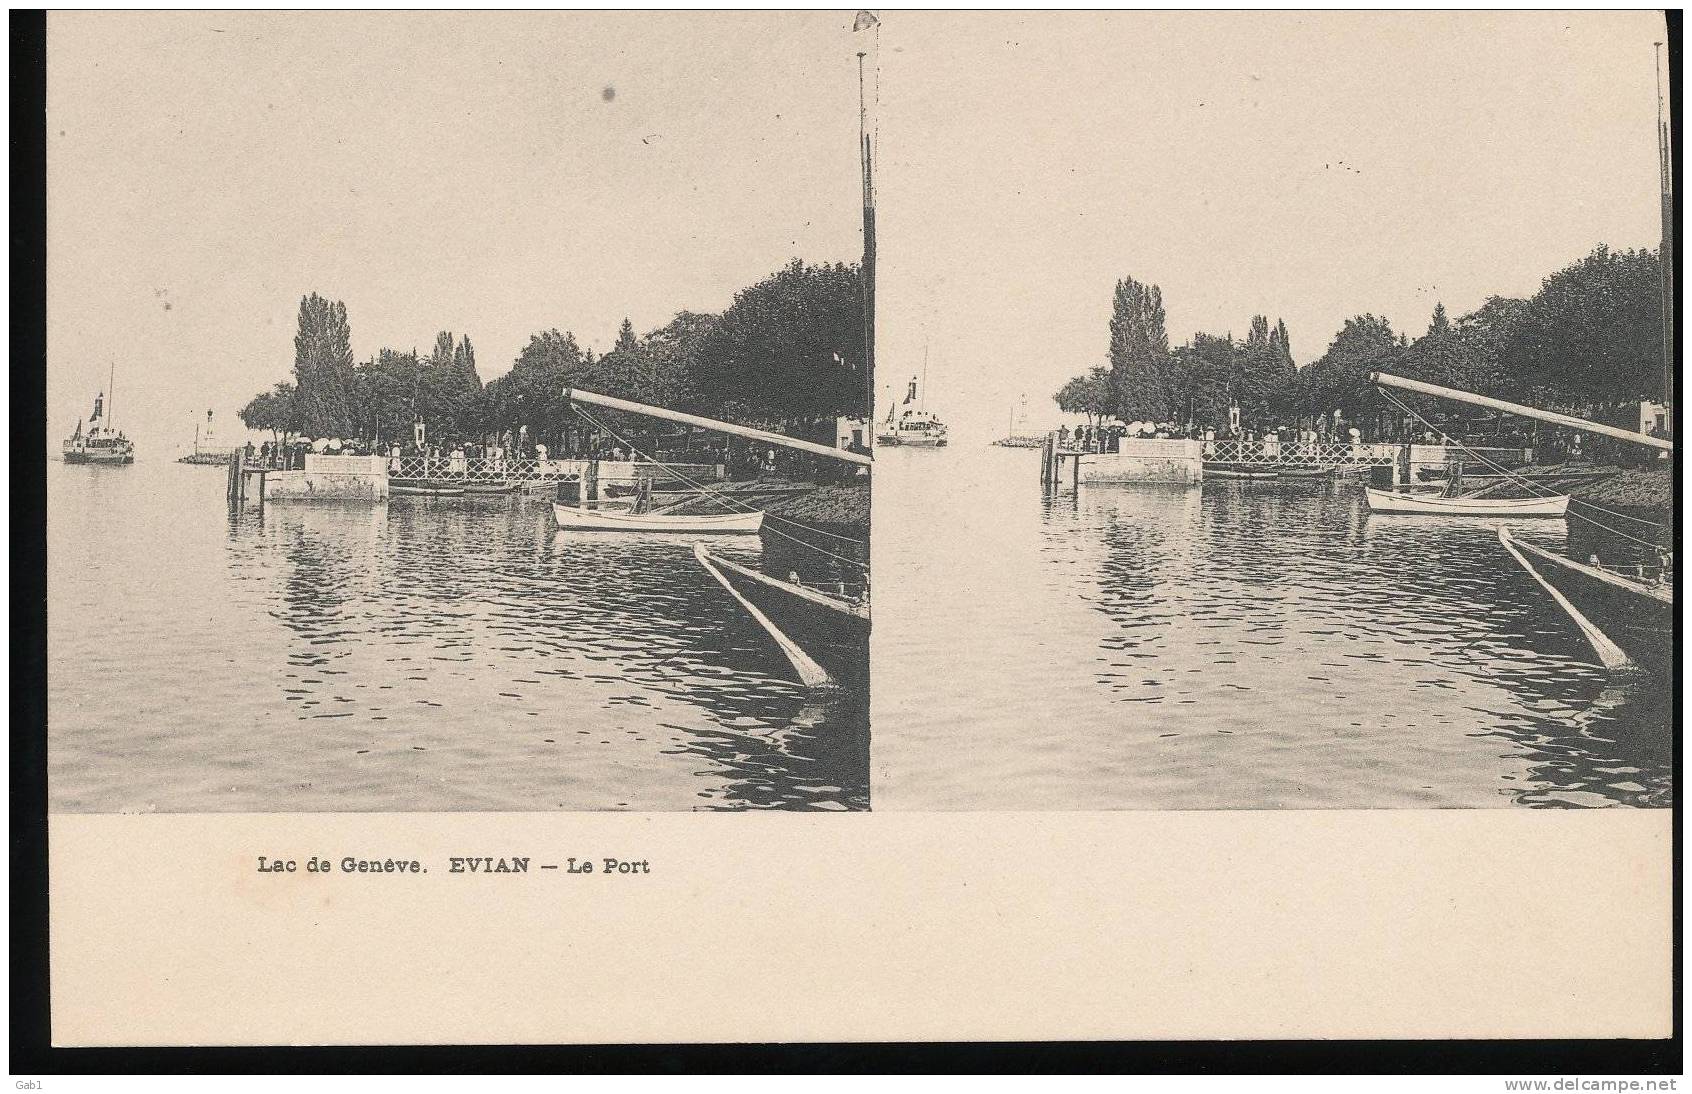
(101, 444)
(911, 426)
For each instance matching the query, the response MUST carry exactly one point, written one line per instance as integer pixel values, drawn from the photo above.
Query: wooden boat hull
(406, 489)
(1224, 471)
(577, 519)
(825, 639)
(1387, 501)
(1626, 621)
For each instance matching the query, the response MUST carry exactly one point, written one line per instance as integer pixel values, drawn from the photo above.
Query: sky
(496, 175)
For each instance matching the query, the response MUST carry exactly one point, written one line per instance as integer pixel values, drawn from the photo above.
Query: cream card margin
(755, 927)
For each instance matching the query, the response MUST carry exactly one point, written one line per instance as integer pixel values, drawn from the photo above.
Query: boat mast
(867, 274)
(1568, 421)
(111, 395)
(1665, 250)
(612, 403)
(922, 395)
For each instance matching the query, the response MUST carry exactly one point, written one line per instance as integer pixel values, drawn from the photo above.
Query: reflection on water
(427, 654)
(1235, 645)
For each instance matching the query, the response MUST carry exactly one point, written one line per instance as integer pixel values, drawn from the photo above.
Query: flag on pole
(865, 21)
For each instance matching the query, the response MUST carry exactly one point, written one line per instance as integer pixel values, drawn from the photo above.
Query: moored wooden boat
(424, 489)
(1387, 501)
(1232, 471)
(576, 518)
(824, 637)
(1626, 621)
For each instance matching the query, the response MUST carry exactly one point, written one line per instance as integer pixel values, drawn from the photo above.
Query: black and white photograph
(1280, 427)
(507, 451)
(473, 440)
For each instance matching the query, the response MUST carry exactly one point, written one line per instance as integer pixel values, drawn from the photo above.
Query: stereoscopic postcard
(594, 527)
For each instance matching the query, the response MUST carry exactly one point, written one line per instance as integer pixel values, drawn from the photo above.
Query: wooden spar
(1567, 420)
(811, 674)
(1610, 655)
(612, 403)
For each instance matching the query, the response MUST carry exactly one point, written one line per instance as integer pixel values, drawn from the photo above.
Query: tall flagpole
(1665, 251)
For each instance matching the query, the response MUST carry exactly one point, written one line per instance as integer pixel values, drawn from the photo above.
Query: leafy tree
(326, 390)
(1439, 324)
(1265, 376)
(273, 411)
(1339, 380)
(531, 395)
(1088, 393)
(1207, 371)
(1281, 342)
(789, 348)
(1593, 333)
(1139, 353)
(390, 392)
(450, 397)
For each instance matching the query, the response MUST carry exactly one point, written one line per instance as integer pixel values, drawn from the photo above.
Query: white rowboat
(1386, 501)
(623, 520)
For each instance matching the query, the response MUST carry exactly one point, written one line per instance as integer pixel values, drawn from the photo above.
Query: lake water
(424, 654)
(1232, 645)
(1235, 645)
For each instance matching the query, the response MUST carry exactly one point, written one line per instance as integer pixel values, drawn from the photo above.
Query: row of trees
(787, 352)
(1589, 341)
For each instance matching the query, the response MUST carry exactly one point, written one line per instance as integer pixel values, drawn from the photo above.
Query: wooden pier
(239, 472)
(1052, 456)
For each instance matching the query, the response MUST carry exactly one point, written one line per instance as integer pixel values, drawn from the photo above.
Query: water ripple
(1236, 645)
(429, 654)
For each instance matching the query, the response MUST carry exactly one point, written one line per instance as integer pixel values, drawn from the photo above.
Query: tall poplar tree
(1139, 353)
(325, 387)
